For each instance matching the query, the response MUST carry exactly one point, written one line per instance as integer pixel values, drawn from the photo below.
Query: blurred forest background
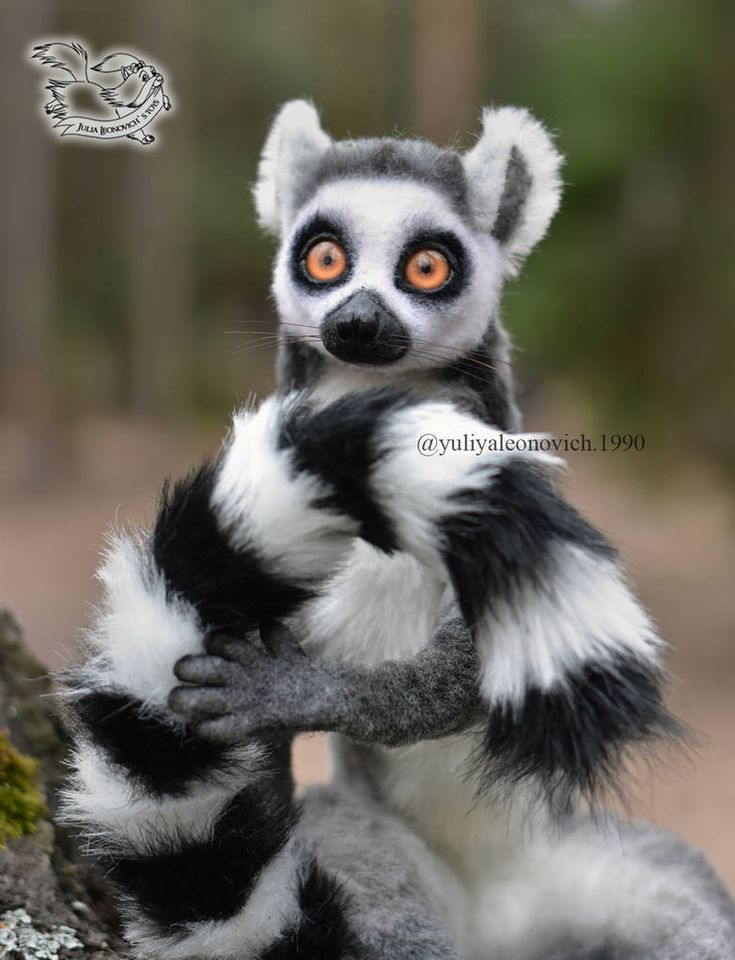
(128, 276)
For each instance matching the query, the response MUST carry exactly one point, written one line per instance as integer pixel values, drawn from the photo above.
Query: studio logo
(121, 96)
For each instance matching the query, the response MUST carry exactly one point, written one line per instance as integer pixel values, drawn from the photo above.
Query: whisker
(462, 359)
(261, 335)
(438, 350)
(468, 358)
(441, 361)
(258, 341)
(306, 326)
(437, 354)
(242, 333)
(272, 340)
(439, 347)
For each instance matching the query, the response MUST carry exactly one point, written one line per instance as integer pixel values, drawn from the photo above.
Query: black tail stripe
(574, 736)
(502, 540)
(336, 445)
(155, 754)
(209, 880)
(322, 932)
(232, 589)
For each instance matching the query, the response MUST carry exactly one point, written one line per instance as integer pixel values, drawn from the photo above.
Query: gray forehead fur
(392, 158)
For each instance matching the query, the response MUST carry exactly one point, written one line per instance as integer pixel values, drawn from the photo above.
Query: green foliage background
(629, 301)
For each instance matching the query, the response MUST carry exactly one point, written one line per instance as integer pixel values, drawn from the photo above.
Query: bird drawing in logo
(121, 100)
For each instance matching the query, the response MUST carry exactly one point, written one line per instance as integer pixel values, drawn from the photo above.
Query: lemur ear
(293, 148)
(514, 181)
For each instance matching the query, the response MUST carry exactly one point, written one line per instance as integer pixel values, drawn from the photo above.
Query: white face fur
(511, 189)
(380, 221)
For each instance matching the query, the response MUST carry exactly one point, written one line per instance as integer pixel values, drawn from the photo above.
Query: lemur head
(393, 252)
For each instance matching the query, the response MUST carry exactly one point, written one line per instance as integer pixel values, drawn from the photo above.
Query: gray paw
(239, 688)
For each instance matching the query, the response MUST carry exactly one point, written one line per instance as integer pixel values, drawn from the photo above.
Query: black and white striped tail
(572, 669)
(201, 840)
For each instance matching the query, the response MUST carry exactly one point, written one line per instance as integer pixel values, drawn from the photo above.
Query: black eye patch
(446, 243)
(316, 229)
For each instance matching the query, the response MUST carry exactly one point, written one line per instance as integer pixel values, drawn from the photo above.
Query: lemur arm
(242, 688)
(570, 667)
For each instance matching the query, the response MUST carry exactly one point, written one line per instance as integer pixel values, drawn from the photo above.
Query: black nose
(363, 330)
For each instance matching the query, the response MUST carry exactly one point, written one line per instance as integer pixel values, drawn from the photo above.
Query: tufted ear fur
(513, 177)
(294, 146)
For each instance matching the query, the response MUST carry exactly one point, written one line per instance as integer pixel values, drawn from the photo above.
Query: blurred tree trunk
(355, 34)
(26, 241)
(157, 215)
(446, 67)
(50, 906)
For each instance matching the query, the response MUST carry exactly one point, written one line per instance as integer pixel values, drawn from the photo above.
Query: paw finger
(279, 640)
(238, 649)
(230, 728)
(198, 702)
(204, 669)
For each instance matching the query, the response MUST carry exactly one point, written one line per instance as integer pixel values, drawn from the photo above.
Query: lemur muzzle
(363, 330)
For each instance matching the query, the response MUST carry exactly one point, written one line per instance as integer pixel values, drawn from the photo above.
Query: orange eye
(325, 261)
(427, 270)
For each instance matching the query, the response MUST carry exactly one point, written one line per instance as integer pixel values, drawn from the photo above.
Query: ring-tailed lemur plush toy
(468, 639)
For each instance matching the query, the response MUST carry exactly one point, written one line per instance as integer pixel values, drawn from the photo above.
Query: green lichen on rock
(21, 805)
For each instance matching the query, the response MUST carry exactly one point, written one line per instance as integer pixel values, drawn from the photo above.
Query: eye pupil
(427, 270)
(326, 260)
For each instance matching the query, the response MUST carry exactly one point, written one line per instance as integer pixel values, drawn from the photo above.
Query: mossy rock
(51, 906)
(21, 804)
(25, 695)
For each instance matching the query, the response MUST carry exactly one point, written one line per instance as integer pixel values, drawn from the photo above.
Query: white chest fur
(382, 608)
(377, 608)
